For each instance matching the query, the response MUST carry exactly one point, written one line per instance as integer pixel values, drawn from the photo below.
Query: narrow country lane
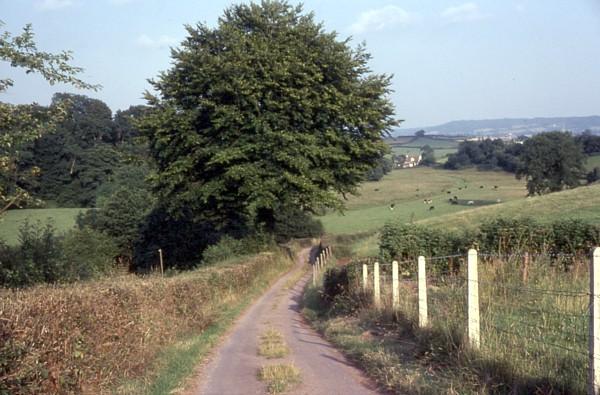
(235, 365)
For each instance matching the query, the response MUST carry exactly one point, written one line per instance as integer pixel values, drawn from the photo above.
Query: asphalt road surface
(234, 366)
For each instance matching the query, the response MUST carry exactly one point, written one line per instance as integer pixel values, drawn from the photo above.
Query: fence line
(473, 319)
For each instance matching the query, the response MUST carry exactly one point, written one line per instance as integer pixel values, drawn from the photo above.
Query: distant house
(410, 161)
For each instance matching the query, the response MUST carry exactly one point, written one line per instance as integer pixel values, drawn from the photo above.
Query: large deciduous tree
(551, 161)
(265, 112)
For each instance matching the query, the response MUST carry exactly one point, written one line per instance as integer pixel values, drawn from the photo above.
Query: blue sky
(450, 59)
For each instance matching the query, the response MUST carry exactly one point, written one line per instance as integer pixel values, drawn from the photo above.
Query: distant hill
(515, 126)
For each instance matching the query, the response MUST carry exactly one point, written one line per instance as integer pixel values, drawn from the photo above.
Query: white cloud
(162, 41)
(382, 18)
(463, 13)
(53, 4)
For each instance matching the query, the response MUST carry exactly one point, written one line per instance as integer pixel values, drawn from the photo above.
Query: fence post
(473, 299)
(525, 267)
(594, 338)
(395, 286)
(422, 280)
(314, 269)
(160, 256)
(376, 295)
(365, 276)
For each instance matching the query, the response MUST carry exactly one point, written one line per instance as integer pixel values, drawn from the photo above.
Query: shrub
(120, 217)
(36, 259)
(88, 254)
(294, 223)
(335, 282)
(226, 248)
(43, 257)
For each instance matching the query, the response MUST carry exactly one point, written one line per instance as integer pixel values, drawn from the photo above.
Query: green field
(581, 203)
(592, 161)
(63, 219)
(407, 189)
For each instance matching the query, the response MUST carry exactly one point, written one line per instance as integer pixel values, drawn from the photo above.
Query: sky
(451, 60)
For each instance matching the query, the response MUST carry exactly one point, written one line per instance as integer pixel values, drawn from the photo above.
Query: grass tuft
(279, 378)
(272, 345)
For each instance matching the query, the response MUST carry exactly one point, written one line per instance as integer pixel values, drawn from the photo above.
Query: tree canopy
(551, 161)
(265, 111)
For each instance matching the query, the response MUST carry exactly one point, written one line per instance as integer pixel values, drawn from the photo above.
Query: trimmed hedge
(499, 236)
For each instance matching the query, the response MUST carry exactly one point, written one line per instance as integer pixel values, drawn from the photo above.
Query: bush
(43, 257)
(88, 254)
(294, 223)
(181, 239)
(335, 282)
(226, 248)
(120, 217)
(36, 259)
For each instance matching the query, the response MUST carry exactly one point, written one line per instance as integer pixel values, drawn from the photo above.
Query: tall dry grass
(89, 337)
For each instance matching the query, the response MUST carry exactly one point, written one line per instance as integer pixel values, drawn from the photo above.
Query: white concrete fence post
(376, 294)
(422, 281)
(314, 273)
(365, 276)
(473, 299)
(594, 338)
(395, 286)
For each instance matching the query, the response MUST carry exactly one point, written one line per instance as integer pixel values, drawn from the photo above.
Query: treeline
(83, 158)
(496, 154)
(549, 161)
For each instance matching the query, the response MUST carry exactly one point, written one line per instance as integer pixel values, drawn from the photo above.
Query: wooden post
(525, 267)
(314, 270)
(318, 263)
(160, 256)
(365, 276)
(395, 286)
(376, 293)
(422, 280)
(594, 338)
(473, 299)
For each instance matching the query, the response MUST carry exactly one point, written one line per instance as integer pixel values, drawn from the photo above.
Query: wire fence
(522, 309)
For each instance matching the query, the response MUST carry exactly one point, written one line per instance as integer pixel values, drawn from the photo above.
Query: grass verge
(279, 378)
(271, 345)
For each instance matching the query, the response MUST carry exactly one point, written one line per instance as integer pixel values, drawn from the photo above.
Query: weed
(279, 378)
(272, 345)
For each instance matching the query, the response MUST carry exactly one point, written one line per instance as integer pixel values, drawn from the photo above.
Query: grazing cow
(431, 208)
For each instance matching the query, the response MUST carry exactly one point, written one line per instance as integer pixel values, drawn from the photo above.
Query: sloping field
(580, 203)
(407, 189)
(63, 219)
